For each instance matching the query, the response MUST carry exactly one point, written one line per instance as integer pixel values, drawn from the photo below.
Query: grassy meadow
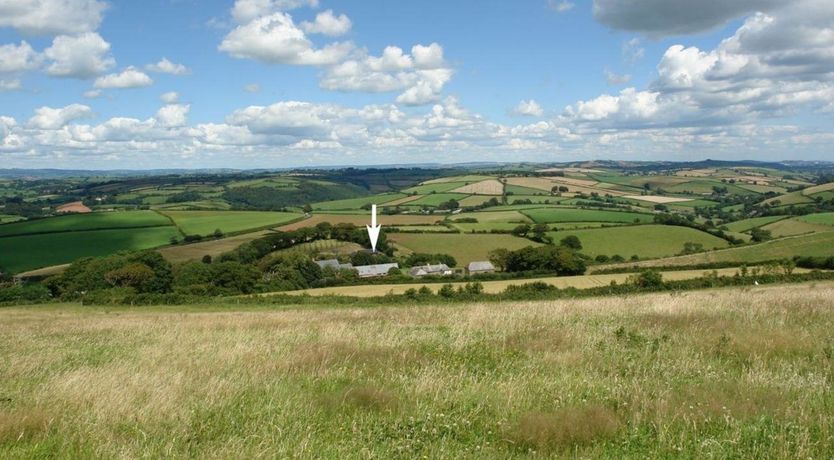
(811, 245)
(206, 222)
(27, 252)
(742, 373)
(464, 248)
(79, 222)
(644, 241)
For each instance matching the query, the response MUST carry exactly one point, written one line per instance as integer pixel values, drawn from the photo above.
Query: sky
(122, 84)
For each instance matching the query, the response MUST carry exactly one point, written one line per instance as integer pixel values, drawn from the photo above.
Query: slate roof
(429, 269)
(481, 266)
(375, 270)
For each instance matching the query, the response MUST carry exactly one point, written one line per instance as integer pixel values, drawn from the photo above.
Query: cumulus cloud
(18, 58)
(173, 115)
(83, 56)
(529, 108)
(128, 78)
(327, 23)
(49, 118)
(275, 39)
(244, 11)
(166, 66)
(52, 17)
(675, 17)
(421, 75)
(773, 65)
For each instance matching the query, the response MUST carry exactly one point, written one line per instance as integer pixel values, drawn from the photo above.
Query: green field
(206, 222)
(22, 253)
(464, 248)
(437, 198)
(93, 221)
(790, 227)
(357, 203)
(434, 188)
(749, 224)
(492, 216)
(644, 241)
(550, 215)
(6, 219)
(815, 244)
(826, 218)
(535, 198)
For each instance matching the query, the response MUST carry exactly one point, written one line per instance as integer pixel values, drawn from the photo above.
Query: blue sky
(277, 83)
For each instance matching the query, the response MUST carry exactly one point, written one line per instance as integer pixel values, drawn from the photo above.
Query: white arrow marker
(373, 229)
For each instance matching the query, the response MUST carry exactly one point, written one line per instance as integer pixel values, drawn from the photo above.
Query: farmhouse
(372, 271)
(334, 264)
(428, 269)
(480, 267)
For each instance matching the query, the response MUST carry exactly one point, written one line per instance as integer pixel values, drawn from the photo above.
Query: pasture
(815, 244)
(464, 248)
(357, 203)
(749, 224)
(362, 219)
(826, 218)
(28, 252)
(435, 199)
(644, 241)
(742, 373)
(552, 215)
(206, 222)
(80, 222)
(790, 227)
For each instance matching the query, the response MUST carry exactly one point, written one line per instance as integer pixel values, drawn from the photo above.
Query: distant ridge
(48, 173)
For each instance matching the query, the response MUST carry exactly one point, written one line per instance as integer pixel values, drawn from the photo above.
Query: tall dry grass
(714, 373)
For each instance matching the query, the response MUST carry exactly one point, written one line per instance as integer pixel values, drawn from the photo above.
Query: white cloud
(52, 17)
(48, 118)
(560, 6)
(171, 97)
(327, 23)
(13, 84)
(83, 56)
(614, 79)
(173, 115)
(291, 118)
(421, 76)
(428, 57)
(275, 39)
(252, 88)
(774, 65)
(18, 58)
(244, 11)
(92, 94)
(529, 108)
(310, 144)
(166, 66)
(128, 78)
